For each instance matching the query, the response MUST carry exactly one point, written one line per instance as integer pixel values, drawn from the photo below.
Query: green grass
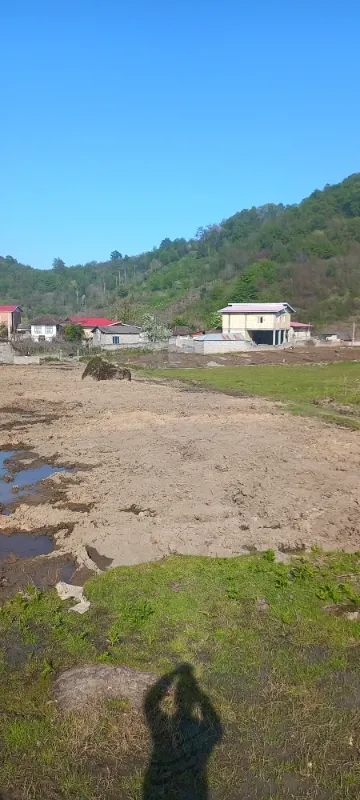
(298, 386)
(285, 682)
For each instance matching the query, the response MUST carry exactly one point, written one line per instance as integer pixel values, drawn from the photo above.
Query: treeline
(307, 254)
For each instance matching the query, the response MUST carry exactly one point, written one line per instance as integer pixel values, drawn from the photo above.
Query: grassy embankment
(283, 677)
(295, 386)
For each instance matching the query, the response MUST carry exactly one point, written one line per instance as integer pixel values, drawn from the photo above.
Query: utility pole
(353, 334)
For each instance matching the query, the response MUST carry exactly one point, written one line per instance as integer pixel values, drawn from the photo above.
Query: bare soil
(162, 470)
(162, 359)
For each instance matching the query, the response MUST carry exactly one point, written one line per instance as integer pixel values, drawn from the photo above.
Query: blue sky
(127, 122)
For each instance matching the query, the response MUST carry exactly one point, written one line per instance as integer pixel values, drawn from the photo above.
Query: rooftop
(301, 325)
(46, 319)
(8, 309)
(91, 322)
(256, 308)
(220, 337)
(119, 328)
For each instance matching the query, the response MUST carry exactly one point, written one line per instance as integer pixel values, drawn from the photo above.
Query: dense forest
(307, 254)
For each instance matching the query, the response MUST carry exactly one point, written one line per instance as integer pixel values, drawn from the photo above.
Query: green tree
(58, 265)
(3, 331)
(115, 256)
(73, 333)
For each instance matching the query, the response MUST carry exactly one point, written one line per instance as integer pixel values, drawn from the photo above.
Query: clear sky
(127, 121)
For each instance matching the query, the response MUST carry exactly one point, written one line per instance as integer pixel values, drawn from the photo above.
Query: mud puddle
(41, 572)
(18, 480)
(24, 545)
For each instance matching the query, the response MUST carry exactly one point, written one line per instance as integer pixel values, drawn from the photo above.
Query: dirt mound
(102, 370)
(76, 687)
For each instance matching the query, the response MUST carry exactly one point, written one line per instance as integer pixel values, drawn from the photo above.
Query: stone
(262, 604)
(77, 687)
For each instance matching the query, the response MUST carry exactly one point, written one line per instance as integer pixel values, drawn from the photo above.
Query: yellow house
(261, 323)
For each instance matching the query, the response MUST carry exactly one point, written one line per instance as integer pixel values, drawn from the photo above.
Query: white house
(259, 323)
(46, 328)
(112, 337)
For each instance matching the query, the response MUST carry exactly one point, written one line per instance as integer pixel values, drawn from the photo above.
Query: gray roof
(117, 329)
(46, 319)
(220, 337)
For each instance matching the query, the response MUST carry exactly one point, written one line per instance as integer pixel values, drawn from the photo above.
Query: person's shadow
(182, 741)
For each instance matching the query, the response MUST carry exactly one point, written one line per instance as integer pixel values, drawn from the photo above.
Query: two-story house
(261, 323)
(46, 328)
(10, 316)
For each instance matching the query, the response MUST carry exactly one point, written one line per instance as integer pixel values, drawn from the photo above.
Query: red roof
(300, 325)
(9, 308)
(91, 322)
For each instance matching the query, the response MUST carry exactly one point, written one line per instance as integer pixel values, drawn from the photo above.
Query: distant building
(111, 337)
(46, 328)
(259, 323)
(300, 330)
(10, 316)
(89, 323)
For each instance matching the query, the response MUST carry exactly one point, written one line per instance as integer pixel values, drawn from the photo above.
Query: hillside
(308, 254)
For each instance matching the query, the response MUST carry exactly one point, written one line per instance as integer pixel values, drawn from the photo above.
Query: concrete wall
(125, 339)
(221, 346)
(128, 346)
(21, 360)
(301, 333)
(6, 353)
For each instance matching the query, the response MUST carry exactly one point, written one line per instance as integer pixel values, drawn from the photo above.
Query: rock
(262, 604)
(282, 558)
(79, 686)
(353, 616)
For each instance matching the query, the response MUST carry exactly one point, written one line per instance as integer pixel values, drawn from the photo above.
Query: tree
(215, 320)
(115, 256)
(155, 330)
(73, 333)
(58, 265)
(3, 331)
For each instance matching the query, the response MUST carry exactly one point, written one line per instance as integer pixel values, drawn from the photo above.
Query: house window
(48, 329)
(260, 319)
(116, 339)
(38, 329)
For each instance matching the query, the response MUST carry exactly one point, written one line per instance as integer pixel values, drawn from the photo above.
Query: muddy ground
(161, 470)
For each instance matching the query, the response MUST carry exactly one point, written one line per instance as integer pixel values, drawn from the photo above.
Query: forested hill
(307, 254)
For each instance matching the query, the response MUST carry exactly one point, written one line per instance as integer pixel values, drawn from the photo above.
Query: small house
(10, 316)
(46, 328)
(111, 337)
(300, 331)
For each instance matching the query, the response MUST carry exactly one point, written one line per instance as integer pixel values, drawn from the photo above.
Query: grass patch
(297, 385)
(284, 680)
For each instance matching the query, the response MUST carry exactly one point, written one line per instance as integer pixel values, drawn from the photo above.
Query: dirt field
(162, 470)
(301, 355)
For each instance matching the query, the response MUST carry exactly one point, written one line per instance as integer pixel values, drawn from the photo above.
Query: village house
(46, 328)
(88, 324)
(111, 337)
(300, 331)
(10, 316)
(257, 323)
